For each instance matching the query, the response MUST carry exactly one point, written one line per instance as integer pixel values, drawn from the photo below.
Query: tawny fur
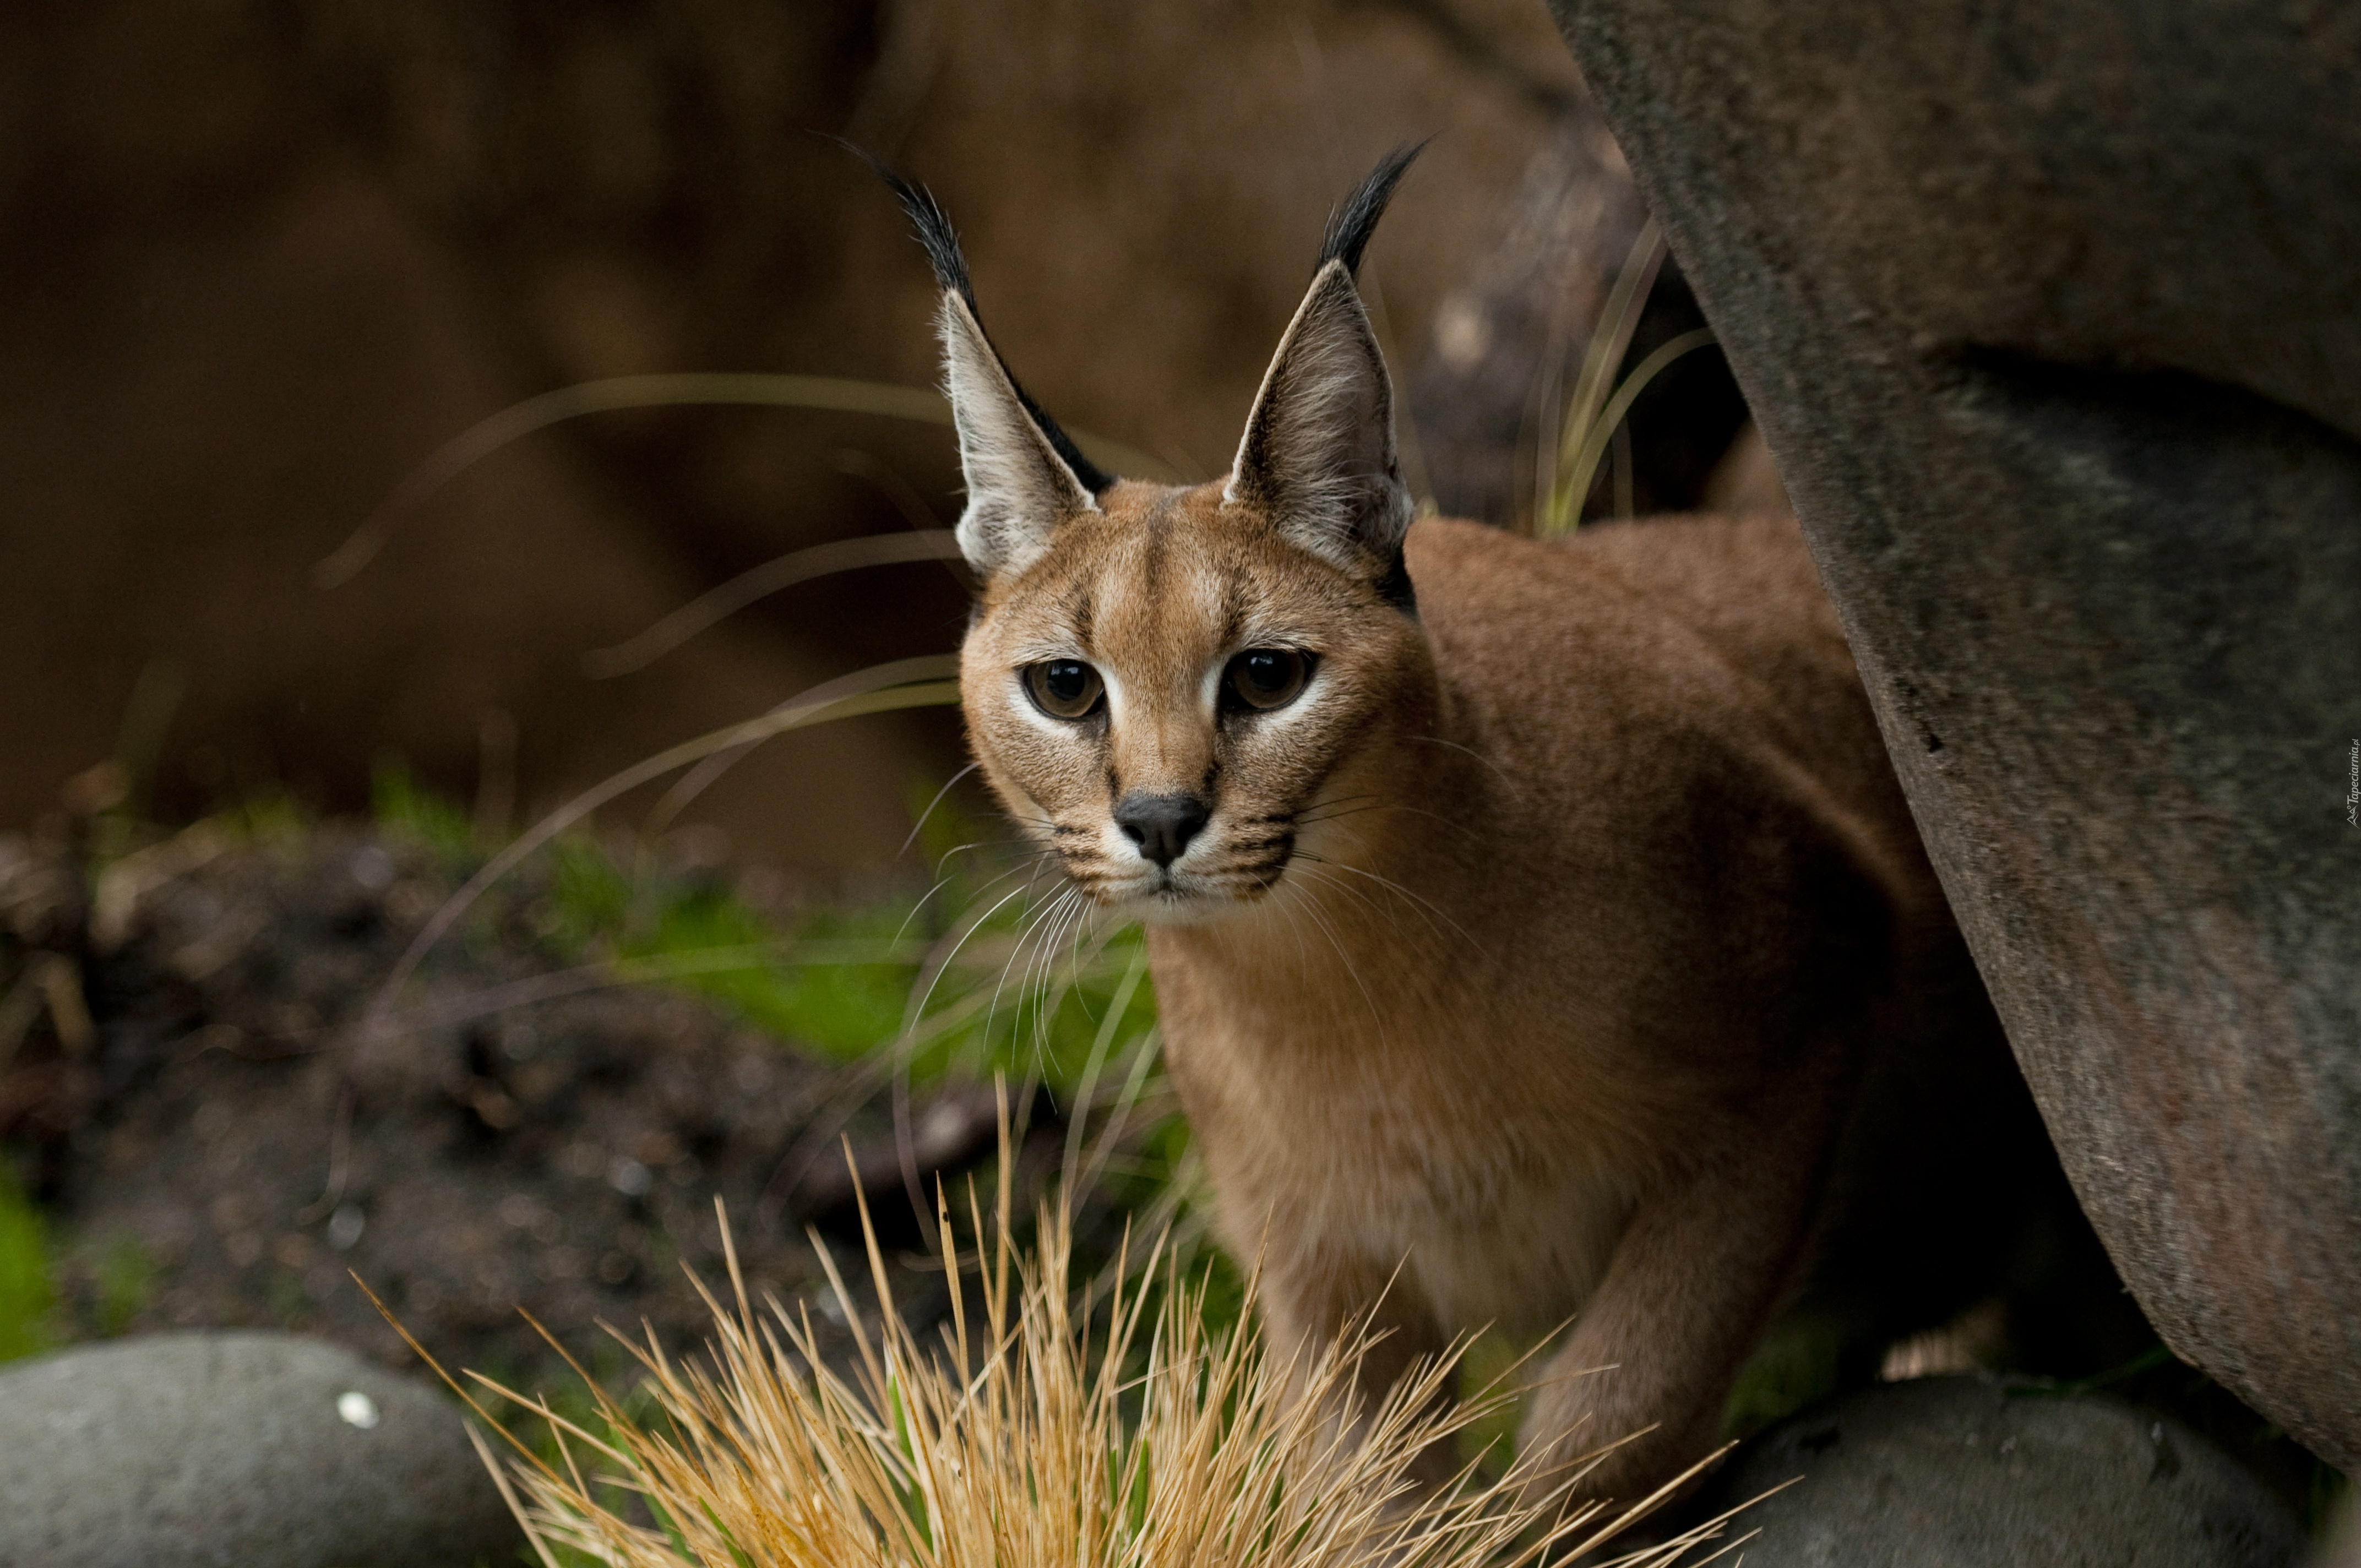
(1565, 950)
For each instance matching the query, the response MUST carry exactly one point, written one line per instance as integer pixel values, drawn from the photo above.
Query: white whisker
(1496, 769)
(1375, 1017)
(1321, 870)
(1388, 883)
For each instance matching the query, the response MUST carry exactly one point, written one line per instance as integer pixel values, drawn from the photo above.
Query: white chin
(1186, 901)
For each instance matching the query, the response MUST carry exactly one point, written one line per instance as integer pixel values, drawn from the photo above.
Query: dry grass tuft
(1047, 1435)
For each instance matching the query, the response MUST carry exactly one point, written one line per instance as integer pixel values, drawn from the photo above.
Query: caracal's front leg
(1312, 1296)
(1693, 1281)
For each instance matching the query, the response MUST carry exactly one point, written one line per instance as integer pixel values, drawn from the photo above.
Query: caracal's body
(1538, 929)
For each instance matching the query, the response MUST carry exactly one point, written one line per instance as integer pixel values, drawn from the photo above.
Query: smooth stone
(1966, 1472)
(2047, 312)
(237, 1449)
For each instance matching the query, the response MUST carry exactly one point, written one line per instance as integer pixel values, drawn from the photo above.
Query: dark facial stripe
(1234, 611)
(1151, 573)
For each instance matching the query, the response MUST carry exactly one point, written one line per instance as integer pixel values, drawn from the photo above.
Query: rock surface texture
(2049, 312)
(1960, 1472)
(236, 1450)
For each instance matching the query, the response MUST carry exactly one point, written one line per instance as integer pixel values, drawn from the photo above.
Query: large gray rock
(2051, 313)
(236, 1450)
(1962, 1473)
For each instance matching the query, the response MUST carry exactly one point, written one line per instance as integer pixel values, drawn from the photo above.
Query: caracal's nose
(1161, 825)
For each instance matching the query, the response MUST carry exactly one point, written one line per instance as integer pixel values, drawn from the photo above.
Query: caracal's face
(1173, 693)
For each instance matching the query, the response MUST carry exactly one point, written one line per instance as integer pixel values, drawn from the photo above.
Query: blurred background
(264, 258)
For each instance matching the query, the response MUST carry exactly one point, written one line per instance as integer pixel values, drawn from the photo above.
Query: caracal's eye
(1268, 677)
(1064, 688)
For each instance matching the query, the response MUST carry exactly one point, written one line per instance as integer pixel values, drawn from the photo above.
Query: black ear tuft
(1350, 226)
(935, 234)
(941, 243)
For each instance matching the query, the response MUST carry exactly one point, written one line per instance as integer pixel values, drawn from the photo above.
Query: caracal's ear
(1318, 449)
(1019, 487)
(1025, 476)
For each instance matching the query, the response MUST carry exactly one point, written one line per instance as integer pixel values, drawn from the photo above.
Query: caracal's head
(1170, 687)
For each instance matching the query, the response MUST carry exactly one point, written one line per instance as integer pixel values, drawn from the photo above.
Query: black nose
(1161, 825)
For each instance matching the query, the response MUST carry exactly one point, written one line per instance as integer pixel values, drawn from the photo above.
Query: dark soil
(226, 1145)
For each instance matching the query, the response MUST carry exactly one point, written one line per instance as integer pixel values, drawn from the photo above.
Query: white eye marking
(1209, 689)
